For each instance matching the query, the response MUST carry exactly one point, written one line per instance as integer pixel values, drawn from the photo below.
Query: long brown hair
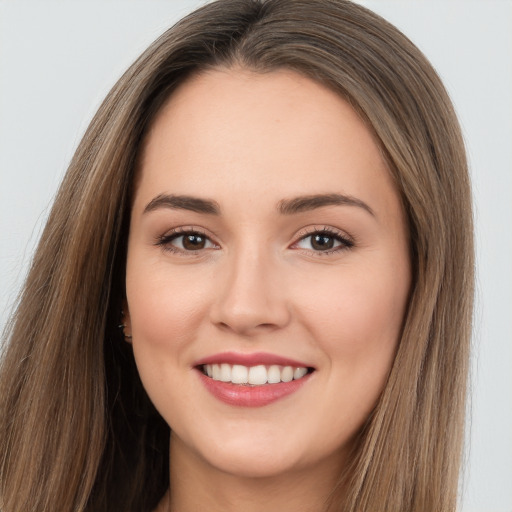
(77, 430)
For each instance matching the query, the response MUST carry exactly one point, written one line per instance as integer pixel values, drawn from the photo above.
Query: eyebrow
(312, 202)
(194, 204)
(285, 206)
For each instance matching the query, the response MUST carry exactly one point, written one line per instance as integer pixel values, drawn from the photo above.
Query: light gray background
(58, 60)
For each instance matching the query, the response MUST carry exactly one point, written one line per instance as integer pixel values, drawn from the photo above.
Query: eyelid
(164, 240)
(347, 241)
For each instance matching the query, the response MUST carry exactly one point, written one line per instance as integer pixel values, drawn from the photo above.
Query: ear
(126, 324)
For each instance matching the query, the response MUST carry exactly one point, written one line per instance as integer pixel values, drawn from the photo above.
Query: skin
(248, 141)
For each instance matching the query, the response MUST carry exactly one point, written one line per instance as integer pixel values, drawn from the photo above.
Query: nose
(251, 296)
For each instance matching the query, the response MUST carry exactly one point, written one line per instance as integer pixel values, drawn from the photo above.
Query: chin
(251, 455)
(249, 465)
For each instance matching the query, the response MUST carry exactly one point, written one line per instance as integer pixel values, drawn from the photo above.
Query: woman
(273, 205)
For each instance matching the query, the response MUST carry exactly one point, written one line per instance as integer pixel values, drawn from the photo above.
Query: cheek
(165, 311)
(356, 318)
(357, 325)
(162, 304)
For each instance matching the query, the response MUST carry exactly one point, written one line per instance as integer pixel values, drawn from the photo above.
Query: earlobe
(125, 324)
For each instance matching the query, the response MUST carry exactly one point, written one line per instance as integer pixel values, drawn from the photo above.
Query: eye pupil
(193, 242)
(321, 242)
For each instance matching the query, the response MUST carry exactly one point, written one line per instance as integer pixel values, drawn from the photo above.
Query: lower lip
(251, 396)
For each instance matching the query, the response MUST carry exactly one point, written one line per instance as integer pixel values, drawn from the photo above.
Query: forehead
(266, 136)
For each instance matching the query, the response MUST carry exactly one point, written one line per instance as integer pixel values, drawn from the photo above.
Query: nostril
(246, 327)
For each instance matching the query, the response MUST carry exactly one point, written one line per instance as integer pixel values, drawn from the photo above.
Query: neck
(197, 485)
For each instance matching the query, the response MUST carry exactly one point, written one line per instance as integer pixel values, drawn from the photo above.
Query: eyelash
(164, 241)
(345, 242)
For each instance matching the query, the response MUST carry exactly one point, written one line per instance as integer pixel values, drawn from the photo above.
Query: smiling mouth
(254, 375)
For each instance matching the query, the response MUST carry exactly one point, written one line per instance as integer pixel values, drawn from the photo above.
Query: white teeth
(299, 373)
(257, 375)
(274, 374)
(225, 373)
(239, 374)
(287, 374)
(253, 375)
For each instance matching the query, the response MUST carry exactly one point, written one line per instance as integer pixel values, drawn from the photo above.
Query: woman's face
(267, 243)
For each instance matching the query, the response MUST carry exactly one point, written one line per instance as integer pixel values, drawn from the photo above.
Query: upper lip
(250, 359)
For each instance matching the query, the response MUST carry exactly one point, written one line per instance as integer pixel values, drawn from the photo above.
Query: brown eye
(193, 242)
(322, 241)
(185, 241)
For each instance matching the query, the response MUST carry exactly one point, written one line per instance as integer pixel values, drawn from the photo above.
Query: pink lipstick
(251, 380)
